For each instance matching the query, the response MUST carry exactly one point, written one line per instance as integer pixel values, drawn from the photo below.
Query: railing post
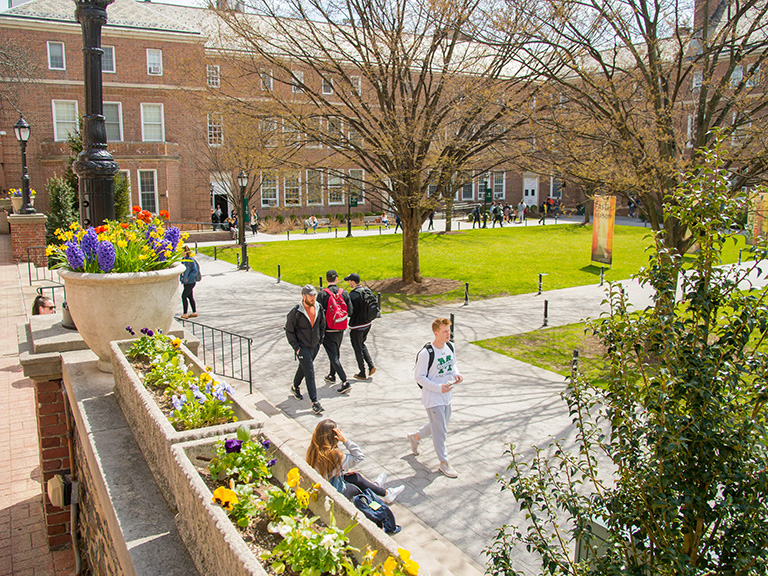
(237, 257)
(195, 246)
(337, 232)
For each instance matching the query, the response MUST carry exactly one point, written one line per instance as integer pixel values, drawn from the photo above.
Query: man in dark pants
(305, 328)
(359, 327)
(338, 308)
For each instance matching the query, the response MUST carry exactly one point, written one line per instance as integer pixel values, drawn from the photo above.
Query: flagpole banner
(758, 217)
(602, 229)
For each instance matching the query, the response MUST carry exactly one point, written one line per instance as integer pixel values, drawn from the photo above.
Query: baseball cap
(331, 275)
(309, 290)
(354, 277)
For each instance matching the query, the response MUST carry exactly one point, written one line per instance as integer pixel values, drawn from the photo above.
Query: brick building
(155, 57)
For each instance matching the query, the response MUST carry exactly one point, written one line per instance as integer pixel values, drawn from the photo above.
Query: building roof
(126, 14)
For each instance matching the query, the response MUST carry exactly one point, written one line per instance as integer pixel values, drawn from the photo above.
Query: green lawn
(495, 262)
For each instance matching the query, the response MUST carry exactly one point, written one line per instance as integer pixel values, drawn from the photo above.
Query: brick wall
(54, 455)
(28, 230)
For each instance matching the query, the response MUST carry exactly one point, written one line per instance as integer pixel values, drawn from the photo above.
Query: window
(698, 79)
(266, 79)
(314, 187)
(56, 59)
(154, 62)
(292, 189)
(354, 137)
(268, 128)
(314, 128)
(297, 81)
(356, 84)
(268, 189)
(356, 184)
(467, 191)
(148, 190)
(335, 131)
(556, 187)
(113, 121)
(213, 74)
(689, 132)
(736, 76)
(742, 124)
(215, 130)
(754, 78)
(152, 123)
(498, 185)
(327, 86)
(291, 136)
(108, 59)
(335, 189)
(482, 185)
(64, 119)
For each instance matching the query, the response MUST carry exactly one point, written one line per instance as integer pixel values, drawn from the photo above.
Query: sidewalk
(23, 542)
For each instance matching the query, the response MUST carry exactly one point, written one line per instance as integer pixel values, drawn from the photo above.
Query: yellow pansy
(302, 496)
(405, 555)
(225, 497)
(176, 343)
(411, 567)
(293, 477)
(389, 566)
(369, 554)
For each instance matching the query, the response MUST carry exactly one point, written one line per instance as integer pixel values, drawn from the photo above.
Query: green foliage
(670, 452)
(61, 211)
(152, 346)
(75, 145)
(282, 502)
(248, 505)
(122, 198)
(280, 219)
(247, 465)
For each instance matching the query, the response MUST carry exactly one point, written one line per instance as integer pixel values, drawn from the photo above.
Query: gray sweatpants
(437, 427)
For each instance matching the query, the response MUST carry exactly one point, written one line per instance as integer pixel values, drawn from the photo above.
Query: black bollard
(574, 363)
(452, 324)
(602, 275)
(466, 294)
(215, 255)
(740, 249)
(278, 273)
(546, 312)
(237, 256)
(378, 297)
(321, 281)
(288, 234)
(540, 282)
(195, 246)
(337, 232)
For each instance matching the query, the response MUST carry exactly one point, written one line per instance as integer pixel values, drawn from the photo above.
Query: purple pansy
(75, 256)
(199, 396)
(266, 444)
(130, 331)
(178, 402)
(232, 445)
(271, 463)
(219, 391)
(89, 243)
(105, 254)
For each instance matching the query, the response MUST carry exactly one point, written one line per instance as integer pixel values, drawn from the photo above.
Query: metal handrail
(32, 256)
(216, 340)
(185, 225)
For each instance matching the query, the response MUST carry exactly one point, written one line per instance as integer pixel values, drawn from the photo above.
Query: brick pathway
(23, 543)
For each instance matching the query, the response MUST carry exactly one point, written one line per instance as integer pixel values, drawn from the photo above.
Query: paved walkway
(23, 542)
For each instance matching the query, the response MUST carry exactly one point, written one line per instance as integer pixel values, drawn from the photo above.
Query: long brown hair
(323, 453)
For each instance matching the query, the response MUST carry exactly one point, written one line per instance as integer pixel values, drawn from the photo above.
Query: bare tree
(17, 69)
(400, 89)
(632, 92)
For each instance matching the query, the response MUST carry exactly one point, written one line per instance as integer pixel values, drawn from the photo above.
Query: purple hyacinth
(89, 243)
(75, 256)
(266, 444)
(173, 235)
(105, 253)
(231, 445)
(151, 229)
(160, 248)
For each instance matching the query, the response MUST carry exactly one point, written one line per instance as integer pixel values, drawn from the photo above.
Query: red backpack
(336, 310)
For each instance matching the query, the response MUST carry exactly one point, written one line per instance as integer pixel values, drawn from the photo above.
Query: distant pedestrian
(385, 220)
(521, 211)
(507, 212)
(496, 211)
(364, 311)
(254, 221)
(397, 222)
(338, 308)
(214, 219)
(431, 221)
(543, 213)
(219, 218)
(188, 279)
(475, 216)
(305, 329)
(43, 305)
(436, 373)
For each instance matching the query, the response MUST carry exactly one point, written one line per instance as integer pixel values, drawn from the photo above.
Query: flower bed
(228, 522)
(153, 428)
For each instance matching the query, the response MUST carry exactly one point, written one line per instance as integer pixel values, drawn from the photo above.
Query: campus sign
(602, 230)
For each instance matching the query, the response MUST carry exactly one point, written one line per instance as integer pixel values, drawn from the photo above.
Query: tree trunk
(448, 214)
(411, 222)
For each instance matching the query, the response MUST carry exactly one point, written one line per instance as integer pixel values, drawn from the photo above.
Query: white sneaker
(414, 444)
(448, 470)
(381, 479)
(393, 493)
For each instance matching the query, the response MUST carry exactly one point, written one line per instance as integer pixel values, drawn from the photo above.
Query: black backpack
(431, 352)
(370, 304)
(382, 516)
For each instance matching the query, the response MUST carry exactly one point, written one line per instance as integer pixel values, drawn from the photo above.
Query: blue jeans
(306, 370)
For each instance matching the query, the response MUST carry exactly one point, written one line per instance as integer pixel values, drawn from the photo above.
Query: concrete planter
(102, 305)
(213, 540)
(153, 432)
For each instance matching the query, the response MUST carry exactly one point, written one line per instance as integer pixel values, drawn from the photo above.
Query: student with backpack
(338, 308)
(188, 279)
(365, 309)
(436, 373)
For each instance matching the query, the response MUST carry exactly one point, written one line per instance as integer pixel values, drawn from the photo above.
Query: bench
(321, 223)
(368, 220)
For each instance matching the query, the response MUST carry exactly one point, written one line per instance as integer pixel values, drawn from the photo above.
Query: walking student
(188, 279)
(436, 373)
(305, 328)
(338, 307)
(364, 311)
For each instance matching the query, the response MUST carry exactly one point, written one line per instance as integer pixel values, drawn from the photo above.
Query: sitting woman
(324, 456)
(43, 305)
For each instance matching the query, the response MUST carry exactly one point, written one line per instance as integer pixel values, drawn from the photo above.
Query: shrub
(280, 219)
(61, 208)
(122, 198)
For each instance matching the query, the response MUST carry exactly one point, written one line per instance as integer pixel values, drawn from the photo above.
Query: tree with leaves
(61, 210)
(403, 90)
(670, 454)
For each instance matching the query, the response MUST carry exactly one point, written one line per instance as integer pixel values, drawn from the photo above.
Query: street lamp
(22, 131)
(242, 181)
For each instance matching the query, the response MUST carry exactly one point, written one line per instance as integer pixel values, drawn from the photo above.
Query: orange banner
(602, 229)
(758, 217)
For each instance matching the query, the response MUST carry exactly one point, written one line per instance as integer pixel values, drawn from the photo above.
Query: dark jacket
(300, 331)
(357, 317)
(323, 297)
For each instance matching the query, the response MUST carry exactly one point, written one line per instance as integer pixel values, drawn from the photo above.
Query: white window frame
(154, 52)
(320, 186)
(266, 80)
(162, 121)
(119, 121)
(327, 85)
(336, 129)
(63, 137)
(213, 75)
(754, 79)
(313, 143)
(499, 192)
(141, 190)
(111, 50)
(215, 122)
(264, 126)
(336, 187)
(63, 56)
(357, 84)
(697, 80)
(468, 185)
(737, 76)
(357, 181)
(273, 200)
(482, 178)
(297, 188)
(297, 79)
(291, 136)
(689, 132)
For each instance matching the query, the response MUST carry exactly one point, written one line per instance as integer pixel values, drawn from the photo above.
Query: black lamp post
(242, 181)
(22, 131)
